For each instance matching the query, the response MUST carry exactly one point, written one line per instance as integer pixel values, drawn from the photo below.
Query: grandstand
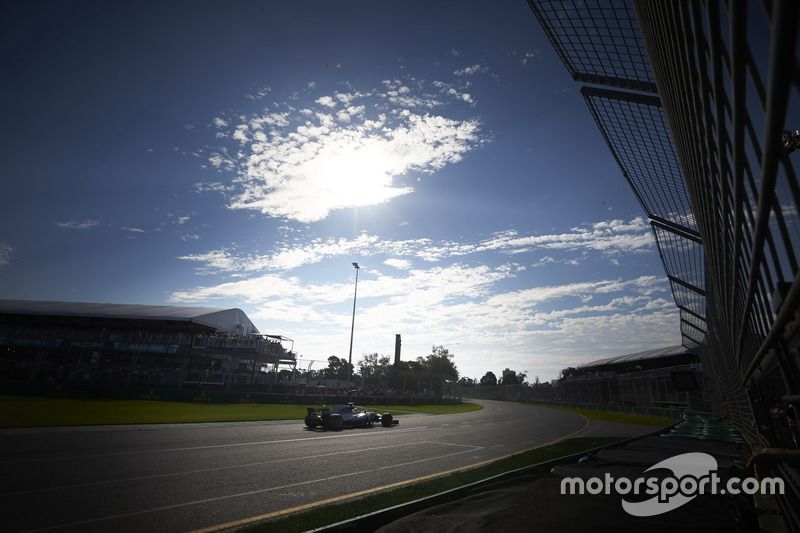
(648, 360)
(159, 346)
(670, 377)
(662, 378)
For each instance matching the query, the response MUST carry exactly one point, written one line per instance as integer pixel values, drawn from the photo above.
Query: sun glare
(356, 176)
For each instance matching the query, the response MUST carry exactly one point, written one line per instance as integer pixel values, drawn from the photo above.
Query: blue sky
(244, 154)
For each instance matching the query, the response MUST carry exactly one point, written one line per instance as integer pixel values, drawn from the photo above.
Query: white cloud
(347, 153)
(610, 238)
(258, 93)
(452, 92)
(467, 71)
(501, 312)
(544, 327)
(6, 252)
(326, 101)
(215, 260)
(221, 162)
(403, 264)
(527, 56)
(240, 134)
(73, 224)
(286, 256)
(214, 187)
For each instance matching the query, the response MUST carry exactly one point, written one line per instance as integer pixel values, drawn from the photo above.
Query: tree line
(377, 368)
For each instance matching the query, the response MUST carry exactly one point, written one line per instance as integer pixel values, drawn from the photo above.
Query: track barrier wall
(79, 391)
(656, 412)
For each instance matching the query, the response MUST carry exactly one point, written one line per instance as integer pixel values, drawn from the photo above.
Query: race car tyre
(310, 422)
(386, 420)
(335, 422)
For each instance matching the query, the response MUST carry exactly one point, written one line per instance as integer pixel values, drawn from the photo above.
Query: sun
(357, 174)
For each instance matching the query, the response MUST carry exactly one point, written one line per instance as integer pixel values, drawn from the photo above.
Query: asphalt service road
(186, 477)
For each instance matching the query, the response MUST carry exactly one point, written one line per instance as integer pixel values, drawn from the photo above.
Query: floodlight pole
(352, 328)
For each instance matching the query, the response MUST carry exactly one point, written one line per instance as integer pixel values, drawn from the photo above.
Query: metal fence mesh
(704, 131)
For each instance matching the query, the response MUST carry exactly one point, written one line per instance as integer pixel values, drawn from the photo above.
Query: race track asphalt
(189, 477)
(538, 499)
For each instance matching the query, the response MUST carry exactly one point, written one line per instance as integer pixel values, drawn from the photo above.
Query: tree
(334, 364)
(337, 368)
(440, 361)
(489, 380)
(517, 378)
(571, 372)
(403, 376)
(375, 367)
(467, 382)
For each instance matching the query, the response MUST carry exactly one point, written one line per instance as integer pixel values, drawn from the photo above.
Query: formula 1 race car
(346, 416)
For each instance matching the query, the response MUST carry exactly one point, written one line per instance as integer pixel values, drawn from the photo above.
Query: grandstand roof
(639, 356)
(229, 320)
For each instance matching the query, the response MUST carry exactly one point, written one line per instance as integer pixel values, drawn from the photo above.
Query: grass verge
(25, 412)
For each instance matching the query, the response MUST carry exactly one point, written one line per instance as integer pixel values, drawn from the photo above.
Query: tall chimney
(397, 350)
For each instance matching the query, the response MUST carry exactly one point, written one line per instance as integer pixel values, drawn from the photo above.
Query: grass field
(25, 412)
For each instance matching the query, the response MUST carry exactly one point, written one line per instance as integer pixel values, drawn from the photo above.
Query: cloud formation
(546, 327)
(610, 238)
(5, 254)
(513, 297)
(349, 150)
(488, 295)
(73, 224)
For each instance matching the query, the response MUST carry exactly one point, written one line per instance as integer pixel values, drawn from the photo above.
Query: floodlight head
(791, 140)
(356, 265)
